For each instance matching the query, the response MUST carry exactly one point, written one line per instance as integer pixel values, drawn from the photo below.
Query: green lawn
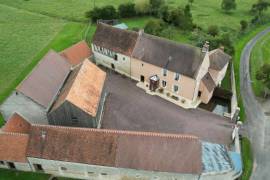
(206, 12)
(259, 56)
(247, 158)
(15, 175)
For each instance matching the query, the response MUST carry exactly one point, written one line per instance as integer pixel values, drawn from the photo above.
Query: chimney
(205, 47)
(141, 31)
(221, 48)
(43, 134)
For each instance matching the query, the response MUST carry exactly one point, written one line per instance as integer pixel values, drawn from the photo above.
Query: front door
(142, 78)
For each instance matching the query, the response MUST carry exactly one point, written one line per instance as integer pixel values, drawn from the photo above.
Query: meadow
(259, 56)
(30, 28)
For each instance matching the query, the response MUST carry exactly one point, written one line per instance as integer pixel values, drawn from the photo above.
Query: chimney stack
(205, 47)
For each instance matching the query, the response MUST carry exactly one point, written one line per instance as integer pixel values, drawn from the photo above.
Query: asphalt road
(257, 124)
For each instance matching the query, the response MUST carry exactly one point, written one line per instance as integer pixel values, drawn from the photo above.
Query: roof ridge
(124, 132)
(13, 133)
(123, 30)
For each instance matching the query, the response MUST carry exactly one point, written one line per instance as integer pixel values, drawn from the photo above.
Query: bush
(154, 27)
(155, 6)
(106, 12)
(244, 25)
(228, 5)
(127, 10)
(213, 30)
(142, 7)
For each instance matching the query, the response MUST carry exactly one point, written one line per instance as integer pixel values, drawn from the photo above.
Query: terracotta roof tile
(77, 53)
(125, 149)
(44, 82)
(17, 124)
(115, 39)
(13, 147)
(83, 88)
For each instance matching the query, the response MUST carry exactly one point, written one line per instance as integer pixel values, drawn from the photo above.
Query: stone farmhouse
(87, 153)
(71, 118)
(61, 90)
(182, 74)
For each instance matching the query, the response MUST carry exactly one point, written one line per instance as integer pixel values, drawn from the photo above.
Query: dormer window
(177, 76)
(164, 72)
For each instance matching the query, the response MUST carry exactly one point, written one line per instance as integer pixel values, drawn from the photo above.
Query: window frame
(164, 82)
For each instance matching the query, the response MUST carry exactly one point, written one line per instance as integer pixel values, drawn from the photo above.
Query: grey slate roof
(176, 57)
(115, 39)
(218, 59)
(44, 82)
(209, 82)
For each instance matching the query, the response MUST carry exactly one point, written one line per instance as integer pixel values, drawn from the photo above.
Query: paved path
(258, 125)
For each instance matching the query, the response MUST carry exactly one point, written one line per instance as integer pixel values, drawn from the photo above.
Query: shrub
(106, 12)
(155, 6)
(228, 5)
(154, 27)
(244, 25)
(127, 10)
(213, 30)
(142, 7)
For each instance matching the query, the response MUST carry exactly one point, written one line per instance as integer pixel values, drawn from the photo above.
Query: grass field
(206, 12)
(259, 56)
(247, 158)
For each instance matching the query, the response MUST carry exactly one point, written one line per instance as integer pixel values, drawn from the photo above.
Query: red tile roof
(13, 147)
(136, 150)
(17, 124)
(77, 53)
(83, 88)
(44, 82)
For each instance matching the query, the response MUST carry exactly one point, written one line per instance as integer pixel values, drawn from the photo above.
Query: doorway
(142, 78)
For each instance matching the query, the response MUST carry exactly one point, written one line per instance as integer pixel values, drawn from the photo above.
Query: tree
(263, 75)
(164, 13)
(188, 18)
(127, 10)
(191, 2)
(153, 27)
(244, 25)
(142, 7)
(106, 12)
(258, 9)
(155, 6)
(213, 30)
(228, 5)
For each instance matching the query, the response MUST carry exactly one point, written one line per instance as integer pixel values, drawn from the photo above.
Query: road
(257, 124)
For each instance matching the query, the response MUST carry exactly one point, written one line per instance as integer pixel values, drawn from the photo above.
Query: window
(74, 120)
(2, 163)
(11, 165)
(38, 167)
(142, 64)
(63, 168)
(115, 57)
(199, 93)
(124, 58)
(176, 76)
(104, 174)
(164, 72)
(164, 83)
(175, 88)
